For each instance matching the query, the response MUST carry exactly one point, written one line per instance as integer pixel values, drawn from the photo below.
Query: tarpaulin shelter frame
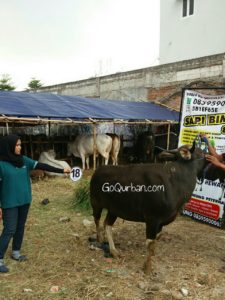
(44, 108)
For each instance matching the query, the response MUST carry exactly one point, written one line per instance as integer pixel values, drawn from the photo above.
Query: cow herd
(106, 148)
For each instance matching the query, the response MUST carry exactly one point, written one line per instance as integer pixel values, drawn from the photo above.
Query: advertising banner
(205, 114)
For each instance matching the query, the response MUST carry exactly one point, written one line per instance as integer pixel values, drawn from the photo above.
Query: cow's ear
(185, 153)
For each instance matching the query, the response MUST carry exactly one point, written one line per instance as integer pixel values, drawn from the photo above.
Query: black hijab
(7, 150)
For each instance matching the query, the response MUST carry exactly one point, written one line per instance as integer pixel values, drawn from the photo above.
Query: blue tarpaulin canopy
(51, 106)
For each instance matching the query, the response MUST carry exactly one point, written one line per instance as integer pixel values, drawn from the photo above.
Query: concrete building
(161, 83)
(191, 29)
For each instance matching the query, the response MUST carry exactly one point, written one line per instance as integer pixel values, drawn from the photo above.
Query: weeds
(81, 199)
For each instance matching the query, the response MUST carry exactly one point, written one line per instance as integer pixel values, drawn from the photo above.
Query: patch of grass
(81, 199)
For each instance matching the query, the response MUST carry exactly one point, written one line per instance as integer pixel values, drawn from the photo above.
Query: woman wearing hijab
(15, 194)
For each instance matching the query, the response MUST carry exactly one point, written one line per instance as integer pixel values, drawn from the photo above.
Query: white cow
(83, 147)
(48, 157)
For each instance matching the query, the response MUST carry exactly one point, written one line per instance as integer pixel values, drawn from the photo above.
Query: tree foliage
(34, 84)
(6, 84)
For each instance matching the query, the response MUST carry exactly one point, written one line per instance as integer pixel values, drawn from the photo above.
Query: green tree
(34, 84)
(6, 84)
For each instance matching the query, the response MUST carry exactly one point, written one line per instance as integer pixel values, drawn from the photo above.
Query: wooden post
(31, 147)
(168, 137)
(94, 146)
(49, 129)
(7, 128)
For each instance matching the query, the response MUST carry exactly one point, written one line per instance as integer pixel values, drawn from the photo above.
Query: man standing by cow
(15, 194)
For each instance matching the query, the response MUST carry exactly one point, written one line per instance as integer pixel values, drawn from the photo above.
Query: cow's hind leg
(87, 162)
(97, 216)
(106, 157)
(108, 223)
(83, 161)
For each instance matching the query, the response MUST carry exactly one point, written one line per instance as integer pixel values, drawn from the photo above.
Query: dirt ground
(63, 265)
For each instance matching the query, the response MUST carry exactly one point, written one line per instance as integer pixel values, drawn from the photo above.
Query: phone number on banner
(201, 218)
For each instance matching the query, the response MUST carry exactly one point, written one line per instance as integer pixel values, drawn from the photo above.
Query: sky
(57, 41)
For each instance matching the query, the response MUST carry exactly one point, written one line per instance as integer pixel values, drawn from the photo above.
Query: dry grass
(59, 255)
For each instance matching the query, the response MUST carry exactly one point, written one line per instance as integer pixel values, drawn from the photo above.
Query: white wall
(201, 34)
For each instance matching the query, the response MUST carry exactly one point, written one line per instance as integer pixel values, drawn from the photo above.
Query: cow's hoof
(147, 269)
(115, 254)
(101, 237)
(164, 237)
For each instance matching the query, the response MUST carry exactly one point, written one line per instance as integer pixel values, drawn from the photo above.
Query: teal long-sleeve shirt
(15, 183)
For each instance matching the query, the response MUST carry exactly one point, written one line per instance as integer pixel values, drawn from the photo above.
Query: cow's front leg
(152, 229)
(150, 252)
(113, 251)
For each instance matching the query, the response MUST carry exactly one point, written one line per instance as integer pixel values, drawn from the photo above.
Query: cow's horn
(193, 147)
(167, 154)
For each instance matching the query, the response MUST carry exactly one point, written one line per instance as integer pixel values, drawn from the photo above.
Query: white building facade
(191, 29)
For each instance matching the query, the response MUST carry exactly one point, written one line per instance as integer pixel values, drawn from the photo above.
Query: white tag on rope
(76, 174)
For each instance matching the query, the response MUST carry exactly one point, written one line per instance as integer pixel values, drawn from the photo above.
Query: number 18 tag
(76, 174)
